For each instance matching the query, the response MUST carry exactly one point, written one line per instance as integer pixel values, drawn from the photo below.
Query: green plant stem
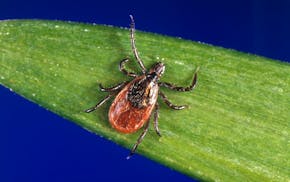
(235, 129)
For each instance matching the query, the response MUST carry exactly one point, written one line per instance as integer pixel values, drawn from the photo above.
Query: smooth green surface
(237, 125)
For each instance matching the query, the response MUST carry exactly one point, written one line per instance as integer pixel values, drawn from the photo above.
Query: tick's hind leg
(122, 68)
(139, 140)
(167, 102)
(114, 88)
(99, 103)
(180, 89)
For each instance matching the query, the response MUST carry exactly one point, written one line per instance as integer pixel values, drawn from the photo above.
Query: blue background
(37, 145)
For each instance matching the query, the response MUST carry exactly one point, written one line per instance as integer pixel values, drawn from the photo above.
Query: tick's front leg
(134, 49)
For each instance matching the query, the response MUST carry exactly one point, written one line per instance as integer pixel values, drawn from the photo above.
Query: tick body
(136, 100)
(134, 104)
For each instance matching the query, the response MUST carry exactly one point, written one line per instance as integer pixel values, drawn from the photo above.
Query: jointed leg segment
(134, 49)
(99, 103)
(156, 115)
(114, 88)
(139, 140)
(167, 102)
(122, 68)
(112, 93)
(180, 89)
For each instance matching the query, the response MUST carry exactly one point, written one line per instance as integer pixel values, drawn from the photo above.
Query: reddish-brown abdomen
(123, 116)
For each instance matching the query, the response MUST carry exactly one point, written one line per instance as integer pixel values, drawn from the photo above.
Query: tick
(136, 100)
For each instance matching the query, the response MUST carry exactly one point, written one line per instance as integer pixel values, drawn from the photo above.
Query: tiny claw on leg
(158, 133)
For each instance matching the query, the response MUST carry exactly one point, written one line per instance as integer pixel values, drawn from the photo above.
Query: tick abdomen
(132, 107)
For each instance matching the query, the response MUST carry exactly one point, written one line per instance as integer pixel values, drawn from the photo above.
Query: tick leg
(134, 49)
(139, 140)
(156, 115)
(180, 89)
(167, 102)
(99, 103)
(114, 88)
(122, 68)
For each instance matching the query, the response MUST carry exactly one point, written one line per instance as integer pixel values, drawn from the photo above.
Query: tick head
(158, 68)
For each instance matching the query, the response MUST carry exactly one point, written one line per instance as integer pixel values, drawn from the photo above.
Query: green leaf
(235, 129)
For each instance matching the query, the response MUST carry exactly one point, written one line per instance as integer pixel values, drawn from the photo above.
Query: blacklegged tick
(136, 99)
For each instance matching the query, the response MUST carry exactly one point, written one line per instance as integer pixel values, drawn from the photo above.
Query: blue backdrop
(37, 145)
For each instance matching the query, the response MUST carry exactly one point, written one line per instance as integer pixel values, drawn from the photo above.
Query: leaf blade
(236, 127)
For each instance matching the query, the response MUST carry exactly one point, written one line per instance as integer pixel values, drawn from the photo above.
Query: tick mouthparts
(158, 68)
